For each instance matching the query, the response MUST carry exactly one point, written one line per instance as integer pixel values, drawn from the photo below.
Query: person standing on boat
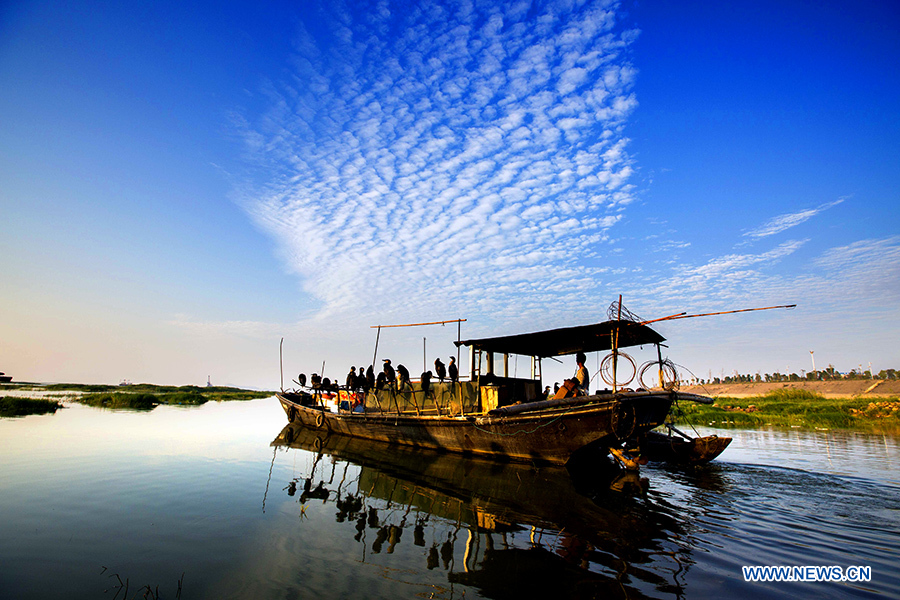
(582, 377)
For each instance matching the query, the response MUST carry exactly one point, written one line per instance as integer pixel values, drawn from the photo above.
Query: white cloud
(470, 153)
(786, 221)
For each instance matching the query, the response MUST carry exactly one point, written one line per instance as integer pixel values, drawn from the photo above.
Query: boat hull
(669, 448)
(546, 435)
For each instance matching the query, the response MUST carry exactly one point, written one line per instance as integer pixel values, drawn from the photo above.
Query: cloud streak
(449, 158)
(786, 221)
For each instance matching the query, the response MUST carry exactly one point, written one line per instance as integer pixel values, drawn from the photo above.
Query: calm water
(226, 503)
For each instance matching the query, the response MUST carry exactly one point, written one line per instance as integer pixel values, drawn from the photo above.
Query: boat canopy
(568, 340)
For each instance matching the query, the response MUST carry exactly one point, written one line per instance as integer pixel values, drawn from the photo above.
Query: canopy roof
(568, 340)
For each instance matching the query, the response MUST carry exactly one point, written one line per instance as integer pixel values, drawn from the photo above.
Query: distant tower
(208, 383)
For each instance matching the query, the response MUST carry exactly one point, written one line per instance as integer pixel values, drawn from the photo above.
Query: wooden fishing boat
(675, 446)
(496, 415)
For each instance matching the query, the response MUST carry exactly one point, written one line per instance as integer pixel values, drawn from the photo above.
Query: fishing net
(612, 313)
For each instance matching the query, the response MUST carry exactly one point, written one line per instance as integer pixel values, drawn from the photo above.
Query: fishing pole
(724, 312)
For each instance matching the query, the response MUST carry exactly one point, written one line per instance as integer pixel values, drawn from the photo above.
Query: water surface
(226, 502)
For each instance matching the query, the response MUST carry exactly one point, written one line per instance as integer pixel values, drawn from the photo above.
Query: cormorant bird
(453, 371)
(389, 375)
(404, 376)
(440, 370)
(426, 382)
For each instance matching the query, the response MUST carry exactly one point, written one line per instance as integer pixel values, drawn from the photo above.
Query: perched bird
(389, 375)
(440, 370)
(426, 382)
(370, 377)
(453, 371)
(302, 379)
(404, 376)
(351, 379)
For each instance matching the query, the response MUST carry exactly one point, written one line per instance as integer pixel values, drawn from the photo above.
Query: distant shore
(20, 399)
(863, 405)
(854, 388)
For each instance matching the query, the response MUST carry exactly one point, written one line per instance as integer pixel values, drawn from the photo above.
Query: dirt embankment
(862, 388)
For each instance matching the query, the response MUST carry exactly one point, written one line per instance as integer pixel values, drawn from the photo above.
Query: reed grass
(120, 400)
(11, 406)
(796, 408)
(144, 396)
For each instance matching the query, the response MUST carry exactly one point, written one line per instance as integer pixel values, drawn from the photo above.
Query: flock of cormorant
(389, 378)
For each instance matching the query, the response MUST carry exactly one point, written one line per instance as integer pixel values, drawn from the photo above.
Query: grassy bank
(146, 397)
(19, 407)
(796, 408)
(217, 393)
(143, 396)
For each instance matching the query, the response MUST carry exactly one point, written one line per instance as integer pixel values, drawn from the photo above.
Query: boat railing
(441, 399)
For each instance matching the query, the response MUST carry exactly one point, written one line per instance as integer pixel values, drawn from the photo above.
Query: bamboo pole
(724, 312)
(615, 349)
(418, 324)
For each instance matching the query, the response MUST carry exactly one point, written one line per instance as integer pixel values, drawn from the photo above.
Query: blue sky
(183, 185)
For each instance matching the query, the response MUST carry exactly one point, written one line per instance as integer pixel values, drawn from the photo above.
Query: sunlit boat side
(500, 416)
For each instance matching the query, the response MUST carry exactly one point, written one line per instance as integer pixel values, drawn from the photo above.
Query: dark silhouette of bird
(403, 374)
(440, 370)
(453, 371)
(426, 383)
(389, 375)
(370, 378)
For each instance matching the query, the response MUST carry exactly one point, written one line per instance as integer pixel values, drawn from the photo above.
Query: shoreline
(846, 388)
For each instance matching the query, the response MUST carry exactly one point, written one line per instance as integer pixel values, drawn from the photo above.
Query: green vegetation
(796, 408)
(78, 387)
(827, 374)
(214, 392)
(18, 407)
(145, 396)
(120, 400)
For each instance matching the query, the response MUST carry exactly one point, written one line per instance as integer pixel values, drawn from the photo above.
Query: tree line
(827, 374)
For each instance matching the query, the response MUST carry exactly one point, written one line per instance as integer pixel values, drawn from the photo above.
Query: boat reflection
(525, 530)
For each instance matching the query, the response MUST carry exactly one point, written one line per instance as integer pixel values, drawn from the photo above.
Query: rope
(522, 430)
(607, 365)
(670, 374)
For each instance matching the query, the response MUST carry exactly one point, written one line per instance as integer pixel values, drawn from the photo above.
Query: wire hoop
(606, 369)
(650, 370)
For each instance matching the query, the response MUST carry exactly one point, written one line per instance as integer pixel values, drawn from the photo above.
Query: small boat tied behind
(492, 414)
